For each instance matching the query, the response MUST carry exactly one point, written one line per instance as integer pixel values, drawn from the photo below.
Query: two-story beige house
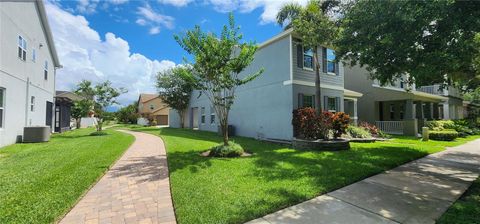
(151, 106)
(28, 61)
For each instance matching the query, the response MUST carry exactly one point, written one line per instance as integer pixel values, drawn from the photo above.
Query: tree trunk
(99, 124)
(78, 122)
(318, 98)
(224, 128)
(182, 118)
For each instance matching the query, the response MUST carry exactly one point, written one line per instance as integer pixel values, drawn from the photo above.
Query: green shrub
(382, 134)
(98, 133)
(440, 125)
(358, 132)
(445, 135)
(231, 150)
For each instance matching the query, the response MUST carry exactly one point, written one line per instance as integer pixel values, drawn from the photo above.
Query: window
(332, 104)
(331, 65)
(2, 106)
(22, 48)
(402, 112)
(212, 116)
(392, 111)
(32, 103)
(308, 58)
(34, 55)
(308, 101)
(402, 84)
(45, 70)
(203, 115)
(152, 107)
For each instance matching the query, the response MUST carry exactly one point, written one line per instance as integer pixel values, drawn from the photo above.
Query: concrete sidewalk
(416, 192)
(135, 190)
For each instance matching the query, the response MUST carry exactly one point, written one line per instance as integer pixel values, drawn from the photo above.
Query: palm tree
(312, 24)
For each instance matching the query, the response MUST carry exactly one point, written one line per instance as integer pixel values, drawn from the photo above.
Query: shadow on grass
(142, 169)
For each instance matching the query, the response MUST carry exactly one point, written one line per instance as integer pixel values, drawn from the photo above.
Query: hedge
(445, 135)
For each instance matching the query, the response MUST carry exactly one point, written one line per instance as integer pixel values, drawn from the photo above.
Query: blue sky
(129, 42)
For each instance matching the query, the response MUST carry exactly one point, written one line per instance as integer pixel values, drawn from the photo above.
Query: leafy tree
(97, 98)
(128, 114)
(428, 40)
(314, 27)
(175, 88)
(218, 62)
(80, 109)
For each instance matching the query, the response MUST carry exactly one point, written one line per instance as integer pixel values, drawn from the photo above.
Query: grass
(466, 209)
(40, 182)
(222, 190)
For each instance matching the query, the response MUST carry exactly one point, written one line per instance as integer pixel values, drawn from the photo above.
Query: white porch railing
(390, 127)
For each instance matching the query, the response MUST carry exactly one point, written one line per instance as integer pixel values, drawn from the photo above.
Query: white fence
(390, 127)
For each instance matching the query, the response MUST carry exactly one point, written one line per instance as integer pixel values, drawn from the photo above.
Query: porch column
(446, 111)
(419, 107)
(355, 115)
(410, 123)
(409, 109)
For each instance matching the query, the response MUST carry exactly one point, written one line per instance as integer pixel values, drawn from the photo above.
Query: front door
(49, 114)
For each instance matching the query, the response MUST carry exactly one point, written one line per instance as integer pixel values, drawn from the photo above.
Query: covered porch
(350, 99)
(405, 112)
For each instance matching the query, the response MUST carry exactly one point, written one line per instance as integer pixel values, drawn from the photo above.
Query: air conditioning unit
(34, 134)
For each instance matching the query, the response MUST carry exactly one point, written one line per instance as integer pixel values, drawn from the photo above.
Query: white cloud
(87, 6)
(177, 3)
(118, 2)
(148, 16)
(86, 56)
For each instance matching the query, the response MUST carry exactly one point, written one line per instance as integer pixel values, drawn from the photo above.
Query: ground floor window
(202, 118)
(308, 101)
(402, 113)
(332, 104)
(212, 116)
(392, 111)
(2, 106)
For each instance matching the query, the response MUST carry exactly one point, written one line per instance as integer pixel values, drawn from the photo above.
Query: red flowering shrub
(369, 127)
(340, 123)
(308, 125)
(305, 123)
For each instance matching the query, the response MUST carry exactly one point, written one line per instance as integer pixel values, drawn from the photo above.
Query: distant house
(151, 107)
(63, 105)
(28, 61)
(263, 108)
(397, 108)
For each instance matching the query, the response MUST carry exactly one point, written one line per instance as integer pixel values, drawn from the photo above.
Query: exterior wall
(455, 108)
(15, 73)
(263, 107)
(356, 79)
(310, 90)
(301, 74)
(157, 103)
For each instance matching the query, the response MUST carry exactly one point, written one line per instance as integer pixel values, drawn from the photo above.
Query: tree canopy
(431, 41)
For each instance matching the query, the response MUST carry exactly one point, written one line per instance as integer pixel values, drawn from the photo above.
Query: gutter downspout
(26, 101)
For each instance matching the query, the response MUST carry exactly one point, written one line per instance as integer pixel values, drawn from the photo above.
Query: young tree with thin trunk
(175, 89)
(218, 62)
(315, 28)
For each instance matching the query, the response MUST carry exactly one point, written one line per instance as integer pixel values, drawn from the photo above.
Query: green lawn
(466, 210)
(217, 190)
(40, 182)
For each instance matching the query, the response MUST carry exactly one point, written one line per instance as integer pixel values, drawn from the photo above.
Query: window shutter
(300, 100)
(324, 60)
(325, 103)
(337, 68)
(299, 56)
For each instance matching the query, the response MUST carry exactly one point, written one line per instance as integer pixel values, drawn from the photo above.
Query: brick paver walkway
(416, 192)
(135, 190)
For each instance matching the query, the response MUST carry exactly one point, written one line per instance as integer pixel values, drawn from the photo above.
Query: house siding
(310, 90)
(263, 107)
(23, 79)
(309, 75)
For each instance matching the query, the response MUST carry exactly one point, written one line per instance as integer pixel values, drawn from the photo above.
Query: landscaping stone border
(321, 145)
(363, 140)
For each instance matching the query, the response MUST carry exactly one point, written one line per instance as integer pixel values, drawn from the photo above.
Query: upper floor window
(34, 55)
(331, 65)
(152, 107)
(45, 70)
(308, 58)
(22, 48)
(2, 106)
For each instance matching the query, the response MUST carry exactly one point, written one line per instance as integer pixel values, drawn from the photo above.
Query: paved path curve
(135, 190)
(416, 192)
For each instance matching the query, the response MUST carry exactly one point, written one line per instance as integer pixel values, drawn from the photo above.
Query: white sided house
(28, 61)
(263, 107)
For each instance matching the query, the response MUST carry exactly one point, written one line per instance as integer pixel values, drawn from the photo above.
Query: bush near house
(444, 135)
(369, 127)
(358, 132)
(308, 125)
(462, 126)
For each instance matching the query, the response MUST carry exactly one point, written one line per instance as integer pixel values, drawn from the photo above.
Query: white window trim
(212, 113)
(303, 60)
(202, 115)
(32, 104)
(3, 107)
(328, 61)
(24, 48)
